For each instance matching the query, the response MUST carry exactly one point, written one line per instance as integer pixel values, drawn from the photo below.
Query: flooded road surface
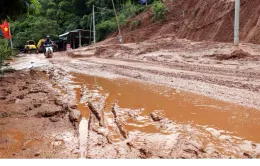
(179, 106)
(120, 118)
(130, 114)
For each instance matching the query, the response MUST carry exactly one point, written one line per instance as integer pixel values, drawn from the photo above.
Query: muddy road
(166, 99)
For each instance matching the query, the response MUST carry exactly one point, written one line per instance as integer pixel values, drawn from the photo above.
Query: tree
(33, 28)
(15, 8)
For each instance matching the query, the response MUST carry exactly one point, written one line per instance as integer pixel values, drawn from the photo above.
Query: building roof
(76, 31)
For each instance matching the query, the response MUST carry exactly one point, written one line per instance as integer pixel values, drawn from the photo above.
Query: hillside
(198, 20)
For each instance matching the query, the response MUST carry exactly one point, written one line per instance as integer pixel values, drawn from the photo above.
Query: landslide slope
(198, 20)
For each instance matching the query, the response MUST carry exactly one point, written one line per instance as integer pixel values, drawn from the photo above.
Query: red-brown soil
(34, 121)
(198, 20)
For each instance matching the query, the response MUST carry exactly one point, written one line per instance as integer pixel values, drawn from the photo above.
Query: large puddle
(178, 106)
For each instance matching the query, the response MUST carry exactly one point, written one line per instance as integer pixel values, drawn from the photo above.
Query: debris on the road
(238, 54)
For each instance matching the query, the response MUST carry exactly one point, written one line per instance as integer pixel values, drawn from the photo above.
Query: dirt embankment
(197, 20)
(34, 121)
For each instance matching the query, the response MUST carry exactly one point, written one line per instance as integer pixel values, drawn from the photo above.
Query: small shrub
(128, 11)
(159, 10)
(5, 52)
(135, 24)
(105, 28)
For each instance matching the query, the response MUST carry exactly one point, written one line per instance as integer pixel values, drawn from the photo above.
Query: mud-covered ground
(134, 101)
(34, 121)
(218, 70)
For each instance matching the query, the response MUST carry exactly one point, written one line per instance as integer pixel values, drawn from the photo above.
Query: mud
(192, 66)
(79, 115)
(34, 123)
(128, 119)
(238, 54)
(131, 116)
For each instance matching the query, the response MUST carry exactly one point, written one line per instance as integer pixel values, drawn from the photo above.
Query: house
(75, 39)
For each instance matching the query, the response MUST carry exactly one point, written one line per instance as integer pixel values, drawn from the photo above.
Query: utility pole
(1, 65)
(90, 31)
(10, 37)
(120, 36)
(80, 39)
(94, 26)
(236, 26)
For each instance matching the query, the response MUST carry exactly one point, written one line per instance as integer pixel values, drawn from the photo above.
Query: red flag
(5, 30)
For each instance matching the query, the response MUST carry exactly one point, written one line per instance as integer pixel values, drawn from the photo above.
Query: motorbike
(49, 51)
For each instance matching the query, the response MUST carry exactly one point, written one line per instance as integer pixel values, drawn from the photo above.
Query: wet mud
(176, 105)
(52, 113)
(130, 119)
(34, 121)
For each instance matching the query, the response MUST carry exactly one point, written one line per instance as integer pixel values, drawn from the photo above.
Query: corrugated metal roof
(74, 31)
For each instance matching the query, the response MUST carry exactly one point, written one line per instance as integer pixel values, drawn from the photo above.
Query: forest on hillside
(37, 18)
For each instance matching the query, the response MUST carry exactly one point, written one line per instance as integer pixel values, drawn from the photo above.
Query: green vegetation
(135, 24)
(13, 8)
(37, 18)
(129, 10)
(5, 53)
(32, 27)
(159, 11)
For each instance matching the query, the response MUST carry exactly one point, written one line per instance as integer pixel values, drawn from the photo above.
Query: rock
(144, 153)
(57, 143)
(37, 154)
(254, 145)
(130, 144)
(247, 155)
(48, 114)
(54, 119)
(58, 102)
(155, 117)
(136, 75)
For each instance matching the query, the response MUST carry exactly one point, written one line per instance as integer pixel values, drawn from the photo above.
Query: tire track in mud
(237, 82)
(207, 69)
(241, 94)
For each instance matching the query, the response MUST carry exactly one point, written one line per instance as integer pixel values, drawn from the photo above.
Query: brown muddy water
(179, 106)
